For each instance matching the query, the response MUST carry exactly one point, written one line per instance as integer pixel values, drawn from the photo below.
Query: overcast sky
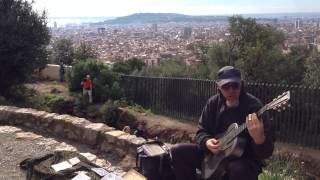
(98, 8)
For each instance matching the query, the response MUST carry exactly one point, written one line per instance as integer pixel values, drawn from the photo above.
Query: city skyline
(107, 8)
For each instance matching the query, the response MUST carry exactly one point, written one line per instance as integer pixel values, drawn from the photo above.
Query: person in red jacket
(87, 87)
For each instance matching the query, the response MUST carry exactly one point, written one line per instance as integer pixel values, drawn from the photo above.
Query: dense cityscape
(154, 42)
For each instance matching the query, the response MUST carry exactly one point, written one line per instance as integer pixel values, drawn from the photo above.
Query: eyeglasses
(234, 86)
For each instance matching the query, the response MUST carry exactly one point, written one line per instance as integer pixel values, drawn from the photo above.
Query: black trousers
(187, 157)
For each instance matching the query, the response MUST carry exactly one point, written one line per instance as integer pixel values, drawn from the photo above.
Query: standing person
(61, 72)
(87, 87)
(232, 104)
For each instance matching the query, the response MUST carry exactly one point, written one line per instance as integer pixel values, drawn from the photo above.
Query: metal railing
(184, 98)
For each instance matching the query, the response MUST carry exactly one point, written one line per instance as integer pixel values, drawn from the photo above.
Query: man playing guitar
(232, 104)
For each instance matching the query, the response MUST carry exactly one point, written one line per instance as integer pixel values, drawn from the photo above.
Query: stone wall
(99, 135)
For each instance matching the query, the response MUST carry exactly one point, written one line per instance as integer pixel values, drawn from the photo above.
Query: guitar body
(214, 165)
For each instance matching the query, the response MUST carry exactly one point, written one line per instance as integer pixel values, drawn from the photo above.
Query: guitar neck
(276, 104)
(243, 126)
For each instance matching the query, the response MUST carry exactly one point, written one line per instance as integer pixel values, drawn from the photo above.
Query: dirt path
(52, 87)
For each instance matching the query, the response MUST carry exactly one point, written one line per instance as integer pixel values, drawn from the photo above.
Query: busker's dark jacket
(216, 118)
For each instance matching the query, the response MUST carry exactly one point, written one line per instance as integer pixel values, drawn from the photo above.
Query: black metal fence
(184, 99)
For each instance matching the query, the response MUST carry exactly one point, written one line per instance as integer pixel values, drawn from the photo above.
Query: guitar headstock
(279, 103)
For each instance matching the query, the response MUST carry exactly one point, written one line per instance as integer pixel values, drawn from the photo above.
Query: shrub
(110, 113)
(50, 102)
(105, 82)
(45, 102)
(129, 66)
(81, 104)
(3, 101)
(140, 109)
(20, 96)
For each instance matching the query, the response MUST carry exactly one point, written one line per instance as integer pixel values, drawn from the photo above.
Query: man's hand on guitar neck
(213, 145)
(255, 128)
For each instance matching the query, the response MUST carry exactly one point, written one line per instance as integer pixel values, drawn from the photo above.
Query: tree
(254, 48)
(200, 50)
(63, 51)
(256, 63)
(85, 51)
(121, 67)
(167, 68)
(257, 48)
(219, 55)
(294, 69)
(135, 64)
(23, 39)
(129, 66)
(247, 32)
(105, 82)
(312, 74)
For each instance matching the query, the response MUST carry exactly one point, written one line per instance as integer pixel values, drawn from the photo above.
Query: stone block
(89, 156)
(112, 136)
(92, 132)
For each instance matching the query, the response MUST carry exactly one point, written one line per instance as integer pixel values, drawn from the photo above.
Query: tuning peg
(288, 105)
(279, 110)
(283, 108)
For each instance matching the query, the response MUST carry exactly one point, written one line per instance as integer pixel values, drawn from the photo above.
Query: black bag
(154, 161)
(40, 167)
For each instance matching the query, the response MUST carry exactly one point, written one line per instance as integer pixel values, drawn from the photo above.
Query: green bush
(51, 102)
(19, 94)
(3, 101)
(46, 102)
(105, 82)
(140, 109)
(81, 104)
(110, 113)
(129, 66)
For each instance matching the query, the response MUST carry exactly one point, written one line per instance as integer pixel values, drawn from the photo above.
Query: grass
(140, 109)
(284, 167)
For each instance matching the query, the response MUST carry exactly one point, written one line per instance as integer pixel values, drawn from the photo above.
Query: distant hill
(162, 18)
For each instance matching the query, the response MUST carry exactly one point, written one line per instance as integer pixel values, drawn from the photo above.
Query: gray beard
(232, 104)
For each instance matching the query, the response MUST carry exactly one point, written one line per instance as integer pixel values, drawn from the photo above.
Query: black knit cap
(228, 74)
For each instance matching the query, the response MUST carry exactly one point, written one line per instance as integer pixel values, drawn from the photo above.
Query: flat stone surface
(27, 135)
(18, 144)
(115, 133)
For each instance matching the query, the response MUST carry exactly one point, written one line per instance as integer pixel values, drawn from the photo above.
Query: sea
(64, 21)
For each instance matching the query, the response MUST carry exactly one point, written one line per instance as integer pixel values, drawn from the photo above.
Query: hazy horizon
(263, 14)
(109, 8)
(61, 21)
